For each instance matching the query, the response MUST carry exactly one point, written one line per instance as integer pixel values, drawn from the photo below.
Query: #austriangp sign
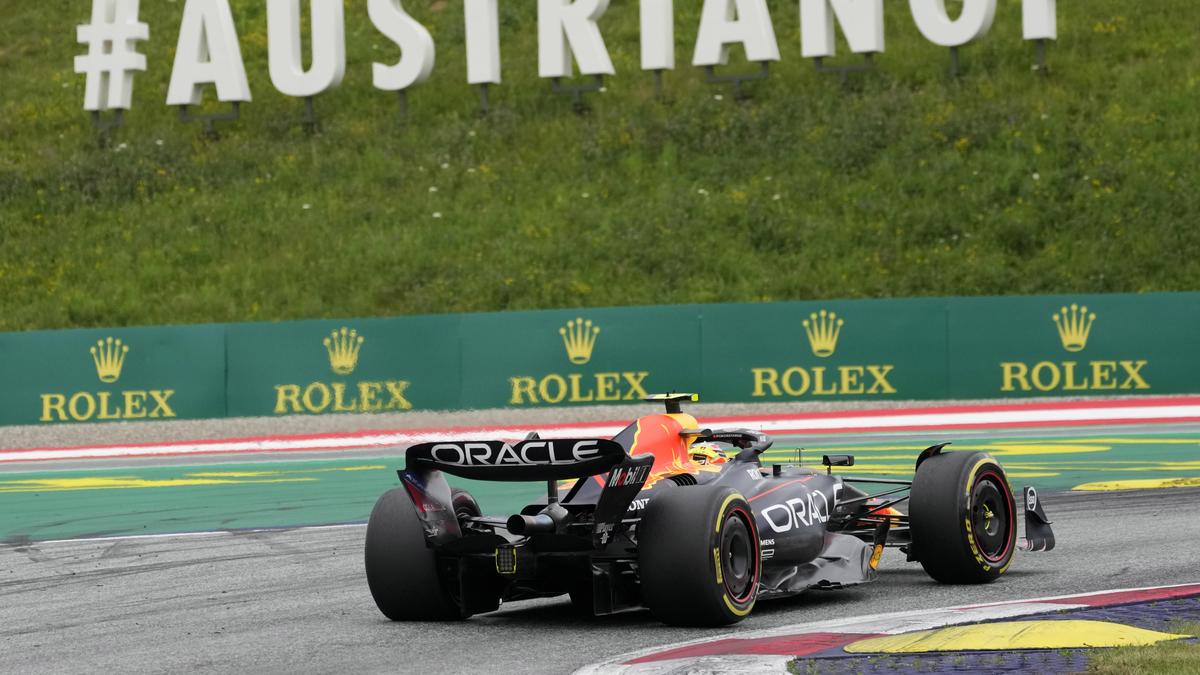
(106, 375)
(868, 349)
(529, 359)
(569, 38)
(326, 367)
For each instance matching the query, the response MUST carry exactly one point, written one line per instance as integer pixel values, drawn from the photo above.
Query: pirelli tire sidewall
(401, 568)
(464, 506)
(947, 538)
(680, 548)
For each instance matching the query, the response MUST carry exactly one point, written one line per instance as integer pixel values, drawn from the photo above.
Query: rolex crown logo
(579, 337)
(1074, 325)
(109, 357)
(823, 329)
(343, 349)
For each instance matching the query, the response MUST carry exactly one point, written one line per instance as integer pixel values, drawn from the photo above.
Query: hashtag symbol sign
(112, 56)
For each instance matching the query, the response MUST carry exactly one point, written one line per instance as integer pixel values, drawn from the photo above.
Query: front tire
(962, 518)
(699, 558)
(401, 568)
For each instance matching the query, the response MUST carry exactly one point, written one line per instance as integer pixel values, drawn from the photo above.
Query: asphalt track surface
(296, 600)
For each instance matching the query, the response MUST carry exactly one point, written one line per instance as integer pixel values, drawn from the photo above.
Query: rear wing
(528, 460)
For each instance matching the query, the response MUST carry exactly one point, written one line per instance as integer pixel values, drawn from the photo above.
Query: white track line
(1032, 416)
(181, 535)
(925, 420)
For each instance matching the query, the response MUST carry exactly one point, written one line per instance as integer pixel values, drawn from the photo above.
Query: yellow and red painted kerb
(1050, 626)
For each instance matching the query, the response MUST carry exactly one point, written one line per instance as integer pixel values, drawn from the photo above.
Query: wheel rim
(738, 564)
(463, 514)
(991, 522)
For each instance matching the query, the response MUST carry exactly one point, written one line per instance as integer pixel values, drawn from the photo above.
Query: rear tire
(401, 569)
(464, 506)
(962, 518)
(699, 557)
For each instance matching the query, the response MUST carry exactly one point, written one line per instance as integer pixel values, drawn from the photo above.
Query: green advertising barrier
(56, 377)
(935, 348)
(1076, 345)
(596, 356)
(869, 349)
(344, 366)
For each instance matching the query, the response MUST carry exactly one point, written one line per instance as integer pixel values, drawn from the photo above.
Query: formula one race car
(662, 517)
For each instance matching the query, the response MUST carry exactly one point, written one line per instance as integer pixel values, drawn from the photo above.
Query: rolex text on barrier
(569, 37)
(113, 375)
(561, 358)
(1074, 345)
(363, 366)
(825, 351)
(866, 350)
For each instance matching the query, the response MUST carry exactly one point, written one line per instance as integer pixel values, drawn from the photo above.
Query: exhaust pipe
(546, 522)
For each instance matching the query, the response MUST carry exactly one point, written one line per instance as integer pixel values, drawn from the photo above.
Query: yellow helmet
(707, 453)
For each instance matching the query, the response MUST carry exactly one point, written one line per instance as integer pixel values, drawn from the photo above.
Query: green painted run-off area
(239, 494)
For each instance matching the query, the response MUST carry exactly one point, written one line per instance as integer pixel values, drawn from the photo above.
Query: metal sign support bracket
(577, 90)
(711, 77)
(105, 128)
(209, 120)
(310, 116)
(867, 64)
(1040, 63)
(484, 105)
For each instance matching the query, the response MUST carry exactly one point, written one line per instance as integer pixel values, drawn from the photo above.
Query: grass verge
(898, 182)
(1178, 657)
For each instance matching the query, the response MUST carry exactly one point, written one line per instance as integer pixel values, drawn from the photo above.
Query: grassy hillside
(900, 182)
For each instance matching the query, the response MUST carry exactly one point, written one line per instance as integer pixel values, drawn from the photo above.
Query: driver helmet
(707, 453)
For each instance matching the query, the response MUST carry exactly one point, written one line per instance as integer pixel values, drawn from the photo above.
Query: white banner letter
(569, 26)
(416, 46)
(726, 22)
(112, 56)
(483, 41)
(328, 47)
(658, 34)
(207, 53)
(1039, 18)
(935, 24)
(861, 21)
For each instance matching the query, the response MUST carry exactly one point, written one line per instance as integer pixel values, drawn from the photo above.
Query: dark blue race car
(681, 519)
